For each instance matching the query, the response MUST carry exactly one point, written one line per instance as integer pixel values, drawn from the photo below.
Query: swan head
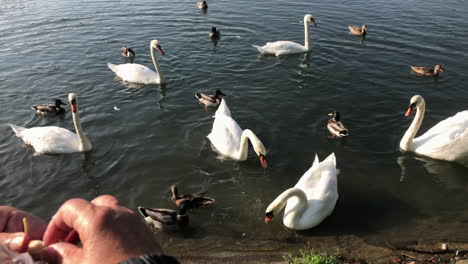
(309, 19)
(73, 102)
(273, 209)
(415, 102)
(438, 68)
(155, 45)
(261, 152)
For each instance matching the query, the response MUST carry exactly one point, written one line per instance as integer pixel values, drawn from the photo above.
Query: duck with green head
(336, 128)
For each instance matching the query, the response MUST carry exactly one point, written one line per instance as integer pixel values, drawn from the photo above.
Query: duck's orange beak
(263, 161)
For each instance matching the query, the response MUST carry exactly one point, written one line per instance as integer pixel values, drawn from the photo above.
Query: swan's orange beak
(409, 111)
(268, 217)
(313, 21)
(73, 106)
(263, 161)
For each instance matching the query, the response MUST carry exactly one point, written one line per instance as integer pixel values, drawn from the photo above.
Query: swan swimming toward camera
(311, 200)
(56, 140)
(282, 47)
(137, 73)
(448, 140)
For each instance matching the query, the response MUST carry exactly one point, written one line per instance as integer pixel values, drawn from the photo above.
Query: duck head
(336, 115)
(218, 93)
(438, 68)
(59, 102)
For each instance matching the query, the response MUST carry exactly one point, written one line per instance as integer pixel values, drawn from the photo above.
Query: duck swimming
(165, 219)
(189, 201)
(426, 71)
(358, 31)
(336, 128)
(202, 5)
(50, 109)
(127, 52)
(214, 33)
(212, 100)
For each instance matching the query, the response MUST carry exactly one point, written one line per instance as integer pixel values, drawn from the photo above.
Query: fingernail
(18, 243)
(50, 255)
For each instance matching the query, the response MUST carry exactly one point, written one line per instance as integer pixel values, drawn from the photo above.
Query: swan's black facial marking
(268, 217)
(73, 105)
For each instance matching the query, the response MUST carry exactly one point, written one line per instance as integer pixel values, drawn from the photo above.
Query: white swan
(311, 200)
(52, 139)
(288, 47)
(138, 73)
(448, 140)
(229, 139)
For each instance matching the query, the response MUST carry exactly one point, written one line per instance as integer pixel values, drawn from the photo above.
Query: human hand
(109, 233)
(11, 228)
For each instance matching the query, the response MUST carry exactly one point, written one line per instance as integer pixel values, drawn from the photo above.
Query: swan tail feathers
(111, 66)
(17, 129)
(259, 48)
(330, 160)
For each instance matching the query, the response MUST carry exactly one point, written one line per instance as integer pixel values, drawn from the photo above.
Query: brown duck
(336, 128)
(210, 99)
(189, 201)
(358, 31)
(426, 71)
(50, 109)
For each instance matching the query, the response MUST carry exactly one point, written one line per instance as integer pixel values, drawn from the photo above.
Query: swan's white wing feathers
(282, 48)
(137, 73)
(225, 135)
(49, 139)
(448, 140)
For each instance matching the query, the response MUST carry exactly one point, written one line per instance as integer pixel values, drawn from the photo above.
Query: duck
(137, 73)
(190, 201)
(336, 128)
(311, 200)
(127, 52)
(214, 33)
(165, 219)
(50, 109)
(202, 5)
(212, 100)
(53, 139)
(358, 31)
(279, 48)
(447, 140)
(230, 140)
(426, 71)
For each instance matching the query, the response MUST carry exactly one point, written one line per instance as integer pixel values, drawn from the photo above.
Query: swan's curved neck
(407, 140)
(242, 152)
(85, 145)
(306, 35)
(296, 212)
(156, 66)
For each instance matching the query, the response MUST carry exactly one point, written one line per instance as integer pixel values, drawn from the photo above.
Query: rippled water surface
(158, 137)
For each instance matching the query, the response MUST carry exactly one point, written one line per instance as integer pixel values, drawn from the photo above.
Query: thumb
(15, 241)
(62, 253)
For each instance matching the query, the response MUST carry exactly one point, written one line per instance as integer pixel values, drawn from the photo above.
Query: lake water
(158, 137)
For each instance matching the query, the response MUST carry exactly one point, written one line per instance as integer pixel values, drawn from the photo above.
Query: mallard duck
(358, 31)
(202, 5)
(426, 71)
(336, 128)
(50, 109)
(311, 200)
(210, 99)
(214, 33)
(165, 218)
(189, 201)
(127, 52)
